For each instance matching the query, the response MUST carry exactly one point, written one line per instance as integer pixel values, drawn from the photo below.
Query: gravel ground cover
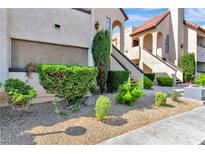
(43, 126)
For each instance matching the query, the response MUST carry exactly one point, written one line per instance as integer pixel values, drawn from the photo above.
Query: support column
(122, 38)
(141, 45)
(4, 48)
(154, 43)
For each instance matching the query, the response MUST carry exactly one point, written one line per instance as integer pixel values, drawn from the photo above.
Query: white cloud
(195, 15)
(151, 9)
(135, 17)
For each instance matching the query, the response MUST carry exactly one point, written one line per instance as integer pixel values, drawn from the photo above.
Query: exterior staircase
(160, 65)
(119, 61)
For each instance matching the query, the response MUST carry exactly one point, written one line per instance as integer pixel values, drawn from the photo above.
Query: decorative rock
(91, 100)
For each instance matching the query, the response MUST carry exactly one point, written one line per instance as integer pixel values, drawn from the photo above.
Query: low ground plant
(165, 81)
(128, 93)
(19, 93)
(160, 98)
(201, 80)
(147, 83)
(174, 95)
(102, 108)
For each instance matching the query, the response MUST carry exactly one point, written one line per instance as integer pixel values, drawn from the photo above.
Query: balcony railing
(133, 53)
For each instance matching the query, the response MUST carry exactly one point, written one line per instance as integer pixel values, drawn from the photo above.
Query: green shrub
(93, 88)
(160, 98)
(147, 83)
(69, 81)
(115, 79)
(187, 63)
(129, 93)
(151, 76)
(164, 81)
(101, 56)
(102, 108)
(187, 77)
(19, 93)
(174, 95)
(201, 80)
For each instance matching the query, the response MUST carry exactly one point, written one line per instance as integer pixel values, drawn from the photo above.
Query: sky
(138, 15)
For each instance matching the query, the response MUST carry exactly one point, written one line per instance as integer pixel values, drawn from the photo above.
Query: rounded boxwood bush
(147, 83)
(102, 108)
(19, 93)
(115, 79)
(69, 81)
(151, 76)
(160, 98)
(165, 81)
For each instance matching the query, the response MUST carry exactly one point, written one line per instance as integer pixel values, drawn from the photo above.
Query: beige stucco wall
(33, 81)
(114, 65)
(115, 15)
(24, 52)
(131, 52)
(39, 25)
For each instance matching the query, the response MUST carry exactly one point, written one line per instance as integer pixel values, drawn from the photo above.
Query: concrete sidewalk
(184, 128)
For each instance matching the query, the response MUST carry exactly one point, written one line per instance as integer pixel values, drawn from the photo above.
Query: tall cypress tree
(101, 56)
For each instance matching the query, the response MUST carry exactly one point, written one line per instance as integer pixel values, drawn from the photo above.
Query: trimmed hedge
(19, 92)
(147, 83)
(115, 79)
(165, 81)
(187, 63)
(151, 76)
(69, 81)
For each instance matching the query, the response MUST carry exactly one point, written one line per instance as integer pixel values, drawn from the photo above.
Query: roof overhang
(124, 14)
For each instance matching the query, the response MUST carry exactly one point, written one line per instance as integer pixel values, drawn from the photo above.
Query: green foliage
(187, 77)
(151, 76)
(174, 95)
(101, 56)
(160, 98)
(93, 88)
(102, 108)
(115, 79)
(187, 63)
(201, 80)
(71, 82)
(19, 92)
(164, 81)
(129, 93)
(147, 83)
(0, 85)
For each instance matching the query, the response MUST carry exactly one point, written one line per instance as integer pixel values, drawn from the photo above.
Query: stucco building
(62, 36)
(157, 44)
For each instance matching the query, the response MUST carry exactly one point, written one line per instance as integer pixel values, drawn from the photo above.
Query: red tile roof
(194, 26)
(151, 23)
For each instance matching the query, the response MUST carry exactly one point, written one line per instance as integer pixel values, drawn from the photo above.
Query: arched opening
(159, 44)
(147, 41)
(117, 35)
